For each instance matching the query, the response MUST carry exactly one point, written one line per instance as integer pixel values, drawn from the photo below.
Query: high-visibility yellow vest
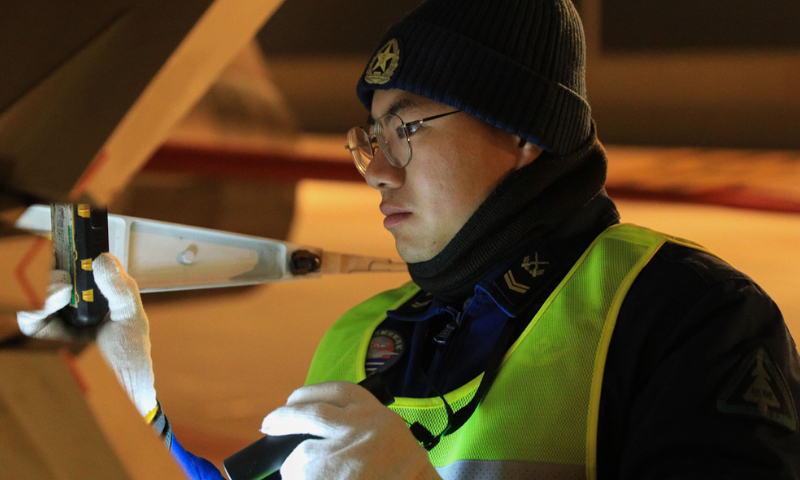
(539, 419)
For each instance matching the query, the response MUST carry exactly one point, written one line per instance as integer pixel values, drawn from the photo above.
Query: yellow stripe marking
(83, 210)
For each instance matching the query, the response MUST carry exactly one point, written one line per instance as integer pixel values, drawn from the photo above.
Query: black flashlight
(265, 456)
(80, 234)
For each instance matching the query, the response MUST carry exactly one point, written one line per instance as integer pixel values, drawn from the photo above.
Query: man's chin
(411, 252)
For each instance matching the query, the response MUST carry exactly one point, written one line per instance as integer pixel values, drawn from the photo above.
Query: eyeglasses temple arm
(432, 118)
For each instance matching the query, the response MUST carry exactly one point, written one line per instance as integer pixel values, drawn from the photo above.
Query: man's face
(456, 162)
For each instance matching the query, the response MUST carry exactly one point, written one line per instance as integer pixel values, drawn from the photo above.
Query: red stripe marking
(260, 165)
(83, 182)
(73, 368)
(723, 197)
(19, 272)
(220, 163)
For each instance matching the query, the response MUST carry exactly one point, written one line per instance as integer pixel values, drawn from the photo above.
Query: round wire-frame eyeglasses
(392, 136)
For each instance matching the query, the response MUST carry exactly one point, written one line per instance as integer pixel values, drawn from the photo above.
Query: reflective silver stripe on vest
(507, 470)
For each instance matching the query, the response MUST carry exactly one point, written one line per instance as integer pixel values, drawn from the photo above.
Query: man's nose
(381, 175)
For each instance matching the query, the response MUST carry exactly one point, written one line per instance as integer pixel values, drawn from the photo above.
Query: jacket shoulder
(704, 266)
(686, 326)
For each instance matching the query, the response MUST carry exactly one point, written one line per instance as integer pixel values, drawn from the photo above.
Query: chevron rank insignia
(526, 275)
(758, 390)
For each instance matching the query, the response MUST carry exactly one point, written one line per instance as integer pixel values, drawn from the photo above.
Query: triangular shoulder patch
(757, 389)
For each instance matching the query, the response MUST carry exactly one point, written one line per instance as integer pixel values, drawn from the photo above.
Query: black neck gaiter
(529, 203)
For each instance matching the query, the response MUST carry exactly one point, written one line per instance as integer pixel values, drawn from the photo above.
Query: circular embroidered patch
(385, 349)
(383, 64)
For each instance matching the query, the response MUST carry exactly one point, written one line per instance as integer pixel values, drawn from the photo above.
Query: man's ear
(528, 152)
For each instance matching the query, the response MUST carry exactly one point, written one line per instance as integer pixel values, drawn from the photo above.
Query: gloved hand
(361, 439)
(123, 337)
(45, 323)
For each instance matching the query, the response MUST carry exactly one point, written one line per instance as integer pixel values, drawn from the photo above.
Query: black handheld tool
(265, 456)
(80, 234)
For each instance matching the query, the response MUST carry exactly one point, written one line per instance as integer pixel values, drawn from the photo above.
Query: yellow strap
(151, 416)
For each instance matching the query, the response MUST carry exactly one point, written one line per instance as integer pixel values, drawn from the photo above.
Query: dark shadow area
(659, 25)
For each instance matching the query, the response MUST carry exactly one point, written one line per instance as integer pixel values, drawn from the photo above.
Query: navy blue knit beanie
(516, 64)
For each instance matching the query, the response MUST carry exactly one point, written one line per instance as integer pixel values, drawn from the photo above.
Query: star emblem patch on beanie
(383, 64)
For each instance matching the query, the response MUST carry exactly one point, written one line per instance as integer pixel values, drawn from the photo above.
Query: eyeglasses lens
(360, 147)
(393, 141)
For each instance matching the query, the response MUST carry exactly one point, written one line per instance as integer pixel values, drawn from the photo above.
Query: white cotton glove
(123, 337)
(361, 439)
(125, 340)
(44, 323)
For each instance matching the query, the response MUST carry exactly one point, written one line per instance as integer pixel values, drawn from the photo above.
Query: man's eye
(413, 128)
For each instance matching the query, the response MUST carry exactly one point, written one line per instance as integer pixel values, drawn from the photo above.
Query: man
(539, 338)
